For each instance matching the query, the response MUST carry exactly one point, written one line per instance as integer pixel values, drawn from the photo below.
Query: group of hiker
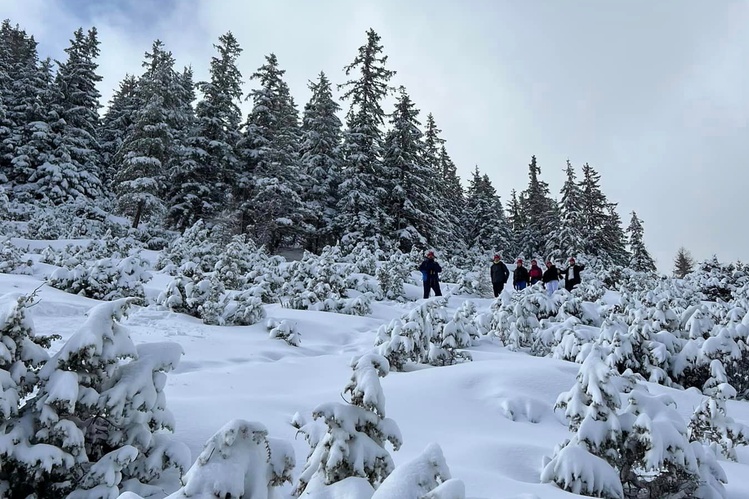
(522, 277)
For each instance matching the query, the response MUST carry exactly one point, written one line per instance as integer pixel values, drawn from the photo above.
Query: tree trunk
(138, 213)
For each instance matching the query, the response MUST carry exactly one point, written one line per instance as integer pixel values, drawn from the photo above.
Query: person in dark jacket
(535, 273)
(520, 275)
(551, 277)
(572, 274)
(430, 270)
(500, 274)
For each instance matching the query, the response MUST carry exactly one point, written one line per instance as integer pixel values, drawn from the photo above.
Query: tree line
(171, 151)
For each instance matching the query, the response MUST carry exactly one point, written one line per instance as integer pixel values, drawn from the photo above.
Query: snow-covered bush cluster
(90, 421)
(13, 259)
(197, 245)
(427, 335)
(627, 442)
(320, 283)
(284, 330)
(105, 279)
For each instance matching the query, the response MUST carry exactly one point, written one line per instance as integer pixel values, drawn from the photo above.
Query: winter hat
(534, 262)
(496, 257)
(520, 261)
(430, 253)
(572, 259)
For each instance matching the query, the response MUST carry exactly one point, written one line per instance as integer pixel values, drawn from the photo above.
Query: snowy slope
(492, 417)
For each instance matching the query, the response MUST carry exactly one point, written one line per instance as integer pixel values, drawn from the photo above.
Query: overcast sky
(654, 95)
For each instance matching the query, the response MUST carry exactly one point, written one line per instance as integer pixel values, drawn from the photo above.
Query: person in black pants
(572, 274)
(500, 274)
(430, 270)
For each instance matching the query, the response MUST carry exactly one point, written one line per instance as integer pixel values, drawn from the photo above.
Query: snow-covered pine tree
(362, 213)
(354, 444)
(270, 184)
(516, 221)
(539, 213)
(77, 104)
(569, 238)
(144, 159)
(614, 249)
(201, 180)
(593, 210)
(453, 202)
(410, 188)
(641, 260)
(710, 423)
(484, 223)
(683, 263)
(117, 123)
(24, 91)
(321, 160)
(427, 476)
(100, 404)
(239, 461)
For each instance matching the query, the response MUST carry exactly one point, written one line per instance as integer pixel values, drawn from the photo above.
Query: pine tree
(453, 202)
(538, 212)
(362, 193)
(200, 181)
(569, 238)
(320, 151)
(144, 159)
(269, 188)
(593, 210)
(409, 195)
(484, 222)
(118, 122)
(76, 81)
(683, 263)
(25, 83)
(641, 260)
(614, 242)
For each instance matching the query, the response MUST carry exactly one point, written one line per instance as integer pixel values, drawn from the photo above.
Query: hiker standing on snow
(430, 270)
(572, 274)
(551, 277)
(500, 274)
(520, 276)
(535, 272)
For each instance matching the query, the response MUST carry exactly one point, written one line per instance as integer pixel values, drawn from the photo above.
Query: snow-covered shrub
(427, 476)
(710, 423)
(107, 246)
(239, 461)
(235, 262)
(76, 220)
(242, 308)
(517, 322)
(642, 450)
(196, 245)
(12, 259)
(191, 291)
(105, 279)
(98, 420)
(364, 258)
(354, 443)
(22, 353)
(390, 279)
(284, 330)
(475, 281)
(420, 336)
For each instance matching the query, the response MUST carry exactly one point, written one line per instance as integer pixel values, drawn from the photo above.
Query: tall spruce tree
(78, 101)
(146, 155)
(538, 212)
(683, 263)
(200, 181)
(269, 188)
(453, 200)
(593, 211)
(410, 197)
(25, 83)
(614, 240)
(641, 260)
(320, 151)
(117, 123)
(363, 191)
(569, 238)
(486, 227)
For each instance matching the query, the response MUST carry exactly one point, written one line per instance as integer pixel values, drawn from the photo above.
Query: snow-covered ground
(493, 417)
